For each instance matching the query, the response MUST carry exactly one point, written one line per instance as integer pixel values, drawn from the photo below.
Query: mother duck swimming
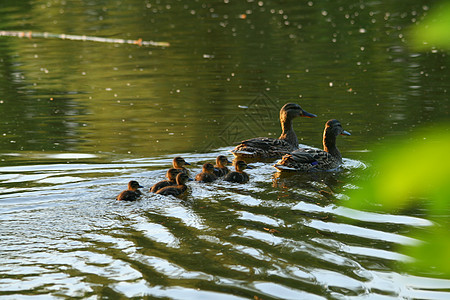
(308, 159)
(269, 148)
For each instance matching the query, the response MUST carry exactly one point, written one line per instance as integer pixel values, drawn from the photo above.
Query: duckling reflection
(179, 163)
(171, 175)
(207, 174)
(263, 148)
(221, 169)
(132, 193)
(238, 176)
(176, 190)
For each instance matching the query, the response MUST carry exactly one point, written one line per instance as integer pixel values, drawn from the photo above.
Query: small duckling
(220, 169)
(132, 193)
(176, 190)
(238, 176)
(171, 176)
(207, 174)
(179, 163)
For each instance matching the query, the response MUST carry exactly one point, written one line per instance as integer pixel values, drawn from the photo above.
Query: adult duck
(176, 190)
(207, 174)
(308, 159)
(171, 175)
(269, 148)
(220, 169)
(179, 163)
(132, 193)
(238, 176)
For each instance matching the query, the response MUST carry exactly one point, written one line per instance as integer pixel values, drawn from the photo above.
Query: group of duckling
(178, 176)
(285, 148)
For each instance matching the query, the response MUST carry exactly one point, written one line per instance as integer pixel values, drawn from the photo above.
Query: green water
(81, 119)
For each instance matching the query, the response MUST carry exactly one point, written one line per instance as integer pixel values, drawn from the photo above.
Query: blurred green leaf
(414, 171)
(432, 254)
(434, 30)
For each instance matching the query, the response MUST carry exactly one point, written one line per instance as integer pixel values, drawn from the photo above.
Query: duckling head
(208, 168)
(134, 185)
(222, 161)
(179, 162)
(241, 165)
(172, 173)
(182, 178)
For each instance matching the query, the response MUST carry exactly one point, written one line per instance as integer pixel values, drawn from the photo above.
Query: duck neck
(288, 133)
(329, 144)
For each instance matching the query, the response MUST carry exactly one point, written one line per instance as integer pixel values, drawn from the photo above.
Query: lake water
(81, 119)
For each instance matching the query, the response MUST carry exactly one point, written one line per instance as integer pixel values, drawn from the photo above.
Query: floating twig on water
(30, 34)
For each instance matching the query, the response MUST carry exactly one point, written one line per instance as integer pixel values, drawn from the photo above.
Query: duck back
(175, 190)
(237, 177)
(161, 184)
(220, 172)
(205, 177)
(128, 195)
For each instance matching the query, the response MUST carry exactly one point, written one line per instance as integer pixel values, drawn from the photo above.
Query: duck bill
(190, 179)
(249, 167)
(308, 115)
(345, 133)
(186, 163)
(140, 186)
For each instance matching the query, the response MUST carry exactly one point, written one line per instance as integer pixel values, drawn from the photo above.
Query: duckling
(207, 174)
(270, 148)
(171, 175)
(315, 159)
(220, 169)
(176, 190)
(238, 176)
(179, 163)
(132, 193)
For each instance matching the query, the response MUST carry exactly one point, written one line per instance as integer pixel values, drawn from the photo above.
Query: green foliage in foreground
(434, 30)
(414, 172)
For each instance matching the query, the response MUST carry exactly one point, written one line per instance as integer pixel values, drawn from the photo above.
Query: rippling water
(81, 119)
(64, 234)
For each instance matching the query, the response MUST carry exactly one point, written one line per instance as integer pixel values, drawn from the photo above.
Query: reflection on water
(80, 119)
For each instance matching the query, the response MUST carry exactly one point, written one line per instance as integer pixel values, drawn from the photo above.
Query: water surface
(81, 119)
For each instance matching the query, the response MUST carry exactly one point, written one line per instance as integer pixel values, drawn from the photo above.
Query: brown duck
(207, 174)
(132, 193)
(171, 175)
(315, 159)
(179, 163)
(220, 169)
(238, 176)
(270, 148)
(176, 190)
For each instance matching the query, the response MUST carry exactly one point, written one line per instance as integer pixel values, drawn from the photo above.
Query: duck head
(134, 185)
(179, 162)
(241, 165)
(182, 178)
(334, 127)
(172, 173)
(208, 168)
(222, 161)
(293, 110)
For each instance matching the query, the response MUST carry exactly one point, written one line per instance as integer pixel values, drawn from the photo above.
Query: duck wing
(263, 147)
(307, 160)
